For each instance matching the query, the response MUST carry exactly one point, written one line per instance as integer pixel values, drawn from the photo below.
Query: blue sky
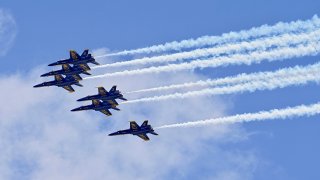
(45, 31)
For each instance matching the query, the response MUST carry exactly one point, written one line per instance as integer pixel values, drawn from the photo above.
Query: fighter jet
(102, 106)
(70, 71)
(85, 58)
(105, 95)
(60, 81)
(137, 130)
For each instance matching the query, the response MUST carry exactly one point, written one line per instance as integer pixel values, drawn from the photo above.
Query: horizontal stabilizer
(122, 98)
(78, 84)
(154, 133)
(86, 73)
(95, 62)
(115, 108)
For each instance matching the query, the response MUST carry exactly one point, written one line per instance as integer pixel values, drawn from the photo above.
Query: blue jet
(105, 95)
(137, 130)
(65, 83)
(70, 71)
(102, 106)
(85, 58)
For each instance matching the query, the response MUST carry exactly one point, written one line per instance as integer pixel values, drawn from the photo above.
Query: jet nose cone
(44, 75)
(38, 85)
(75, 109)
(53, 64)
(112, 134)
(81, 99)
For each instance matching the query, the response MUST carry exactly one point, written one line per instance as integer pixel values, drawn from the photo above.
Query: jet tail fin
(145, 123)
(113, 89)
(85, 53)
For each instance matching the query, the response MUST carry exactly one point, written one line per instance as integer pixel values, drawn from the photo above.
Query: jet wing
(144, 137)
(102, 91)
(74, 55)
(106, 112)
(96, 102)
(68, 88)
(134, 125)
(58, 77)
(84, 67)
(66, 67)
(112, 102)
(77, 77)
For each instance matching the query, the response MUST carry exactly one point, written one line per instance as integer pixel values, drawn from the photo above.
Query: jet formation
(103, 101)
(69, 75)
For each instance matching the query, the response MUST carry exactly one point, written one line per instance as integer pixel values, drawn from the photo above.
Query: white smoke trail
(277, 54)
(225, 49)
(241, 78)
(290, 112)
(298, 78)
(255, 32)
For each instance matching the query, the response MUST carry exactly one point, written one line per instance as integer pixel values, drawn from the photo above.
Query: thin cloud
(8, 31)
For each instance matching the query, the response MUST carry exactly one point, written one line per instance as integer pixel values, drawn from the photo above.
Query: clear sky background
(42, 139)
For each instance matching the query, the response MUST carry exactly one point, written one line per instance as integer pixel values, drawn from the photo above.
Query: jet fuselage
(101, 106)
(82, 60)
(141, 130)
(64, 82)
(104, 98)
(71, 72)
